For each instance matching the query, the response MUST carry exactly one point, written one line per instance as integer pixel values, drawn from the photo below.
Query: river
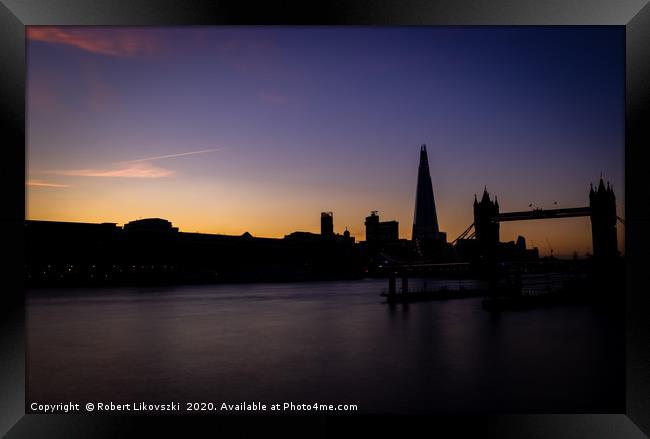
(324, 342)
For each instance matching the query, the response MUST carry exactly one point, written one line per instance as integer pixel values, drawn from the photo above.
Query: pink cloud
(125, 170)
(112, 41)
(41, 183)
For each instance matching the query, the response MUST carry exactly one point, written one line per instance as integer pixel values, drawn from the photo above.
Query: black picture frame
(633, 14)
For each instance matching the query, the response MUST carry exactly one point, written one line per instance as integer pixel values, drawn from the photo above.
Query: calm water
(326, 342)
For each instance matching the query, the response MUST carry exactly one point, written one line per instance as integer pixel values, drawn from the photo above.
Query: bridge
(601, 211)
(534, 214)
(484, 232)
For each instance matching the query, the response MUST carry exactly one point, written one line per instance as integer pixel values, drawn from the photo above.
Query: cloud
(107, 41)
(126, 170)
(41, 183)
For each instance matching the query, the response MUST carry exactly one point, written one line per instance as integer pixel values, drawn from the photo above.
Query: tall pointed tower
(425, 221)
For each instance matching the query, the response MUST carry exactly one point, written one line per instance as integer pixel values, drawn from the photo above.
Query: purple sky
(227, 130)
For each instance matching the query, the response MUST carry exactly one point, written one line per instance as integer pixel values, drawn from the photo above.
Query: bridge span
(569, 212)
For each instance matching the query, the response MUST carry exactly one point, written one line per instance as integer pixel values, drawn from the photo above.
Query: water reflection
(319, 342)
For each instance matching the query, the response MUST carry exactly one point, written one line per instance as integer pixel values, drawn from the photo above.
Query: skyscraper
(425, 221)
(327, 223)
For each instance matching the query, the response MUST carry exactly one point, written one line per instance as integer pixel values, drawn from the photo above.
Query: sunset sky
(235, 129)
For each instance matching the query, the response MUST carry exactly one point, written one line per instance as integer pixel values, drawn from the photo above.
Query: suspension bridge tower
(603, 221)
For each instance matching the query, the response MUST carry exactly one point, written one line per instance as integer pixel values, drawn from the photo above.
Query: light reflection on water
(325, 342)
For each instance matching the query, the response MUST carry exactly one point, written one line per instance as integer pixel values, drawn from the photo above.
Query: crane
(549, 246)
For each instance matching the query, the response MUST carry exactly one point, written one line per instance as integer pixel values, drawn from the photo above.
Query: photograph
(346, 220)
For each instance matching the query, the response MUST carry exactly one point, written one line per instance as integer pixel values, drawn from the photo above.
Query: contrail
(138, 168)
(168, 156)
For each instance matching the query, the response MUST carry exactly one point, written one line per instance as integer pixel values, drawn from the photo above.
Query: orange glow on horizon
(228, 130)
(564, 236)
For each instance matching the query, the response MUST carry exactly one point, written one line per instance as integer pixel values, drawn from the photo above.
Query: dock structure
(391, 285)
(405, 284)
(403, 294)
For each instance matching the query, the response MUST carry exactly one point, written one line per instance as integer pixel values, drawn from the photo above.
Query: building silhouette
(486, 224)
(150, 225)
(425, 221)
(603, 221)
(380, 232)
(327, 224)
(153, 251)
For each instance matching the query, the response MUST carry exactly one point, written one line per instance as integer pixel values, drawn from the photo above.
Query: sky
(259, 129)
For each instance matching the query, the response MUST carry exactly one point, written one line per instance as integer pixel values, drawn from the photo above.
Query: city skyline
(233, 130)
